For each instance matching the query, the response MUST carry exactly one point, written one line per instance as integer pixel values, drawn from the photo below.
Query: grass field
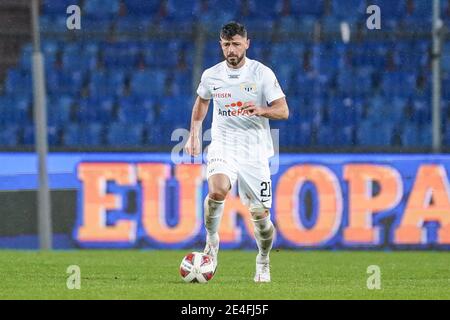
(135, 274)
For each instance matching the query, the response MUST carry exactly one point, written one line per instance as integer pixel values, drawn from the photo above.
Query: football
(197, 267)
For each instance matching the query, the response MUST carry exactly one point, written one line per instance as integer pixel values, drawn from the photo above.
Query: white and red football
(197, 267)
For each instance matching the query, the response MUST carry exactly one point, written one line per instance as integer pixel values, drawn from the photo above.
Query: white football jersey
(230, 89)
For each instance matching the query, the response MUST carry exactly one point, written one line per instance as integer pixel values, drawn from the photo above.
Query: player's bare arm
(278, 110)
(199, 112)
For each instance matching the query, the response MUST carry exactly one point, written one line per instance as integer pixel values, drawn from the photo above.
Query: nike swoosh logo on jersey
(214, 88)
(265, 200)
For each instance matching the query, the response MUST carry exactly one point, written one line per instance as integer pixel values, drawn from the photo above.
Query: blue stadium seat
(182, 83)
(203, 7)
(161, 134)
(50, 23)
(288, 53)
(173, 111)
(18, 82)
(259, 25)
(446, 137)
(96, 109)
(146, 8)
(391, 9)
(122, 54)
(148, 83)
(331, 25)
(58, 7)
(107, 83)
(422, 9)
(264, 9)
(182, 9)
(93, 25)
(410, 135)
(120, 134)
(61, 82)
(59, 110)
(9, 135)
(79, 60)
(52, 135)
(14, 110)
(422, 111)
(102, 8)
(153, 51)
(133, 24)
(288, 24)
(89, 134)
(348, 9)
(425, 135)
(135, 111)
(307, 7)
(366, 133)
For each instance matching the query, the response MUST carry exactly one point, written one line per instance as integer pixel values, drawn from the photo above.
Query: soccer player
(246, 94)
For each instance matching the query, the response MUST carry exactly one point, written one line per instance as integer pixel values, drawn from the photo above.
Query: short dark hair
(231, 29)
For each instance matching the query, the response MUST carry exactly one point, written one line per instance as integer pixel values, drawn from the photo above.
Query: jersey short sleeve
(271, 87)
(203, 88)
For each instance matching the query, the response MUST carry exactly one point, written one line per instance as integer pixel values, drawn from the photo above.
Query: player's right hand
(192, 146)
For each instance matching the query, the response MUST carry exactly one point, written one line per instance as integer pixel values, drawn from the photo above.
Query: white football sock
(264, 234)
(213, 215)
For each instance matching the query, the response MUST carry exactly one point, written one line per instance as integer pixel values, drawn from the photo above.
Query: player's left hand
(253, 109)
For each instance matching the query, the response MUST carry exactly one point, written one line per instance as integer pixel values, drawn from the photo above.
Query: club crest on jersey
(248, 87)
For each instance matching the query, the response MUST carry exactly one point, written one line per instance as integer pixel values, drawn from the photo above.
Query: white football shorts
(252, 175)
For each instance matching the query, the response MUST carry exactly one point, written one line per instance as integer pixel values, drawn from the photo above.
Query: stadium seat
(148, 83)
(132, 24)
(18, 82)
(348, 9)
(59, 110)
(172, 111)
(79, 60)
(52, 7)
(135, 110)
(142, 7)
(83, 135)
(53, 135)
(391, 9)
(101, 8)
(307, 7)
(61, 82)
(107, 83)
(9, 135)
(181, 9)
(96, 109)
(122, 54)
(14, 110)
(50, 23)
(410, 135)
(120, 134)
(97, 25)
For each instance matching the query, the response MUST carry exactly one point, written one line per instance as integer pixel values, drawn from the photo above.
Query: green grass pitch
(153, 274)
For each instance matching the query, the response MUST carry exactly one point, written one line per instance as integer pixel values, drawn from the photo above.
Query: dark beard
(235, 62)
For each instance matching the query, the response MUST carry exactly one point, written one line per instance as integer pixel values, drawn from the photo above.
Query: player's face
(234, 49)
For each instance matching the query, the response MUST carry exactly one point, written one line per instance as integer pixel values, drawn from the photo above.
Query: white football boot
(262, 269)
(213, 251)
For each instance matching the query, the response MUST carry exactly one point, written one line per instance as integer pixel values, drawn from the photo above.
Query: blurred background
(127, 78)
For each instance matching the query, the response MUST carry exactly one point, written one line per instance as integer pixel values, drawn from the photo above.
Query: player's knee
(259, 213)
(217, 195)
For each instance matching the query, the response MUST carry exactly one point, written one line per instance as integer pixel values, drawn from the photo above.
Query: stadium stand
(117, 82)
